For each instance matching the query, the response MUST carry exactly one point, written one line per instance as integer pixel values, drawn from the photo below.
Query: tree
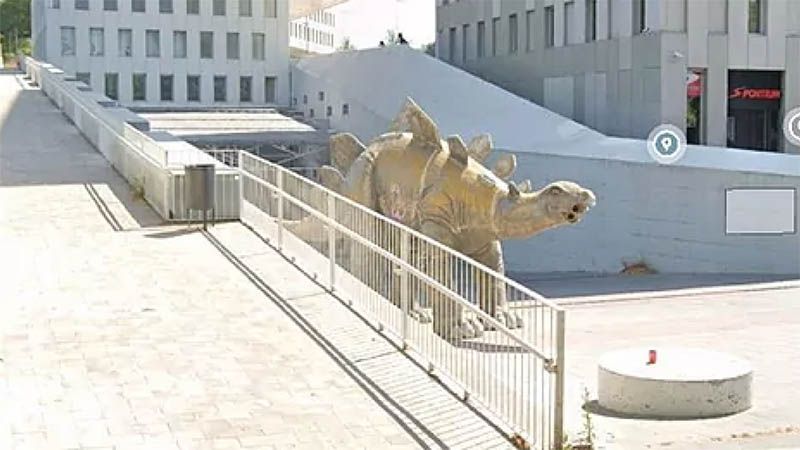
(391, 38)
(15, 25)
(346, 45)
(429, 48)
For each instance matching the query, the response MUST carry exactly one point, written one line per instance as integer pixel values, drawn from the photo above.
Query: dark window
(110, 5)
(220, 88)
(112, 86)
(139, 86)
(495, 34)
(166, 88)
(639, 16)
(269, 89)
(311, 113)
(192, 6)
(549, 26)
(165, 6)
(756, 17)
(219, 7)
(82, 5)
(245, 89)
(232, 45)
(513, 36)
(529, 18)
(245, 8)
(305, 99)
(193, 88)
(591, 20)
(270, 8)
(84, 77)
(137, 6)
(481, 46)
(329, 111)
(345, 109)
(206, 44)
(451, 41)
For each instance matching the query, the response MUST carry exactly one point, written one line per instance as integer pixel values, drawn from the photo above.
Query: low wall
(150, 162)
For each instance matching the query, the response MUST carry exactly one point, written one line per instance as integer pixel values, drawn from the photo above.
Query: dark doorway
(754, 105)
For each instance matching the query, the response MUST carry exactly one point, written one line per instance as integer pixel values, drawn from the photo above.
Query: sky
(366, 21)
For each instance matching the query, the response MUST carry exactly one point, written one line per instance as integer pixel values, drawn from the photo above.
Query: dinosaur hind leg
(491, 292)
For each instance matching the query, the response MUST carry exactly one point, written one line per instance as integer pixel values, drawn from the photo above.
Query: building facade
(169, 52)
(725, 71)
(314, 34)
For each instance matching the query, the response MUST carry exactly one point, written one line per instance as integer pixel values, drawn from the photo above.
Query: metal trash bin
(199, 190)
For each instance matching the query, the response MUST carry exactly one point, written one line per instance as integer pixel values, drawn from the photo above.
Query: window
(464, 42)
(110, 5)
(245, 89)
(220, 88)
(451, 40)
(192, 6)
(67, 41)
(495, 34)
(55, 4)
(206, 44)
(513, 36)
(639, 16)
(591, 20)
(529, 18)
(305, 99)
(193, 88)
(152, 43)
(321, 96)
(112, 86)
(166, 88)
(84, 77)
(258, 46)
(345, 109)
(549, 26)
(139, 86)
(756, 17)
(219, 7)
(270, 8)
(481, 46)
(179, 44)
(569, 11)
(232, 45)
(246, 8)
(82, 5)
(165, 6)
(137, 6)
(311, 113)
(96, 42)
(269, 90)
(125, 42)
(329, 111)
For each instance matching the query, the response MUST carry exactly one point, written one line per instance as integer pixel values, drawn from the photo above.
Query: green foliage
(15, 26)
(429, 48)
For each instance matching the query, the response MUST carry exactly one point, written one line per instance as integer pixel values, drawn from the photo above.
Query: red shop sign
(755, 93)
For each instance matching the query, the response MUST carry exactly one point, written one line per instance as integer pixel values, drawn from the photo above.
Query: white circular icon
(791, 126)
(666, 144)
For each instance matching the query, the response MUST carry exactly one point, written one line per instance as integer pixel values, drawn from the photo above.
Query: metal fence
(421, 293)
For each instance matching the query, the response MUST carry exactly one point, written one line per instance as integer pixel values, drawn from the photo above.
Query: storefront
(754, 109)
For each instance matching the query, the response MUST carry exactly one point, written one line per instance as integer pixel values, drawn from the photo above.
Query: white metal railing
(384, 268)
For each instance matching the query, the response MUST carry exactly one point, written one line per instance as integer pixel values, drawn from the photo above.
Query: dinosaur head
(522, 215)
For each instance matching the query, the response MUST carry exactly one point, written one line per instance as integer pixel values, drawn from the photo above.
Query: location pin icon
(666, 144)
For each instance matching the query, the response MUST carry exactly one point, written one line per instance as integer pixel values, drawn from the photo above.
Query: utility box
(199, 190)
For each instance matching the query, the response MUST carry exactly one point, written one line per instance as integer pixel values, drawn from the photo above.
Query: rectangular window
(193, 88)
(258, 46)
(529, 19)
(246, 8)
(139, 86)
(125, 42)
(152, 43)
(639, 16)
(329, 111)
(166, 88)
(464, 42)
(270, 8)
(110, 5)
(513, 36)
(232, 45)
(55, 4)
(495, 34)
(481, 39)
(67, 41)
(569, 10)
(220, 88)
(219, 7)
(178, 44)
(112, 86)
(451, 40)
(165, 6)
(269, 89)
(97, 42)
(137, 6)
(84, 77)
(245, 89)
(192, 6)
(591, 20)
(756, 17)
(549, 26)
(345, 109)
(82, 5)
(206, 44)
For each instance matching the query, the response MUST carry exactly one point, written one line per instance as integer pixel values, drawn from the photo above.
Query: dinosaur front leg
(492, 296)
(450, 321)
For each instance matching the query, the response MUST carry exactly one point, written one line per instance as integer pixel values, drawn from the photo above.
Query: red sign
(694, 85)
(755, 94)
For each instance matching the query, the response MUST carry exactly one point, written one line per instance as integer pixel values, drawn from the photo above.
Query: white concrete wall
(276, 64)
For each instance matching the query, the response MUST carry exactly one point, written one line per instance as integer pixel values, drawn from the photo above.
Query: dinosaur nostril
(570, 216)
(576, 208)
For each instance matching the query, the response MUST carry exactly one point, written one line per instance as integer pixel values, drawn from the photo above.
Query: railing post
(239, 167)
(404, 298)
(332, 240)
(279, 183)
(558, 413)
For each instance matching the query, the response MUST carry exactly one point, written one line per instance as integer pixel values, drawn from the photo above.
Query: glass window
(495, 34)
(258, 46)
(137, 6)
(345, 109)
(125, 42)
(639, 16)
(207, 44)
(481, 46)
(139, 86)
(166, 88)
(245, 89)
(179, 44)
(245, 8)
(152, 43)
(219, 7)
(321, 96)
(55, 4)
(549, 26)
(192, 6)
(220, 88)
(451, 42)
(311, 113)
(165, 6)
(329, 111)
(110, 5)
(569, 11)
(193, 88)
(464, 42)
(112, 86)
(232, 45)
(756, 17)
(84, 77)
(270, 8)
(82, 5)
(269, 89)
(96, 42)
(529, 20)
(67, 41)
(591, 20)
(513, 37)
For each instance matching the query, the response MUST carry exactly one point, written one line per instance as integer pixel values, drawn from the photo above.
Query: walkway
(117, 331)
